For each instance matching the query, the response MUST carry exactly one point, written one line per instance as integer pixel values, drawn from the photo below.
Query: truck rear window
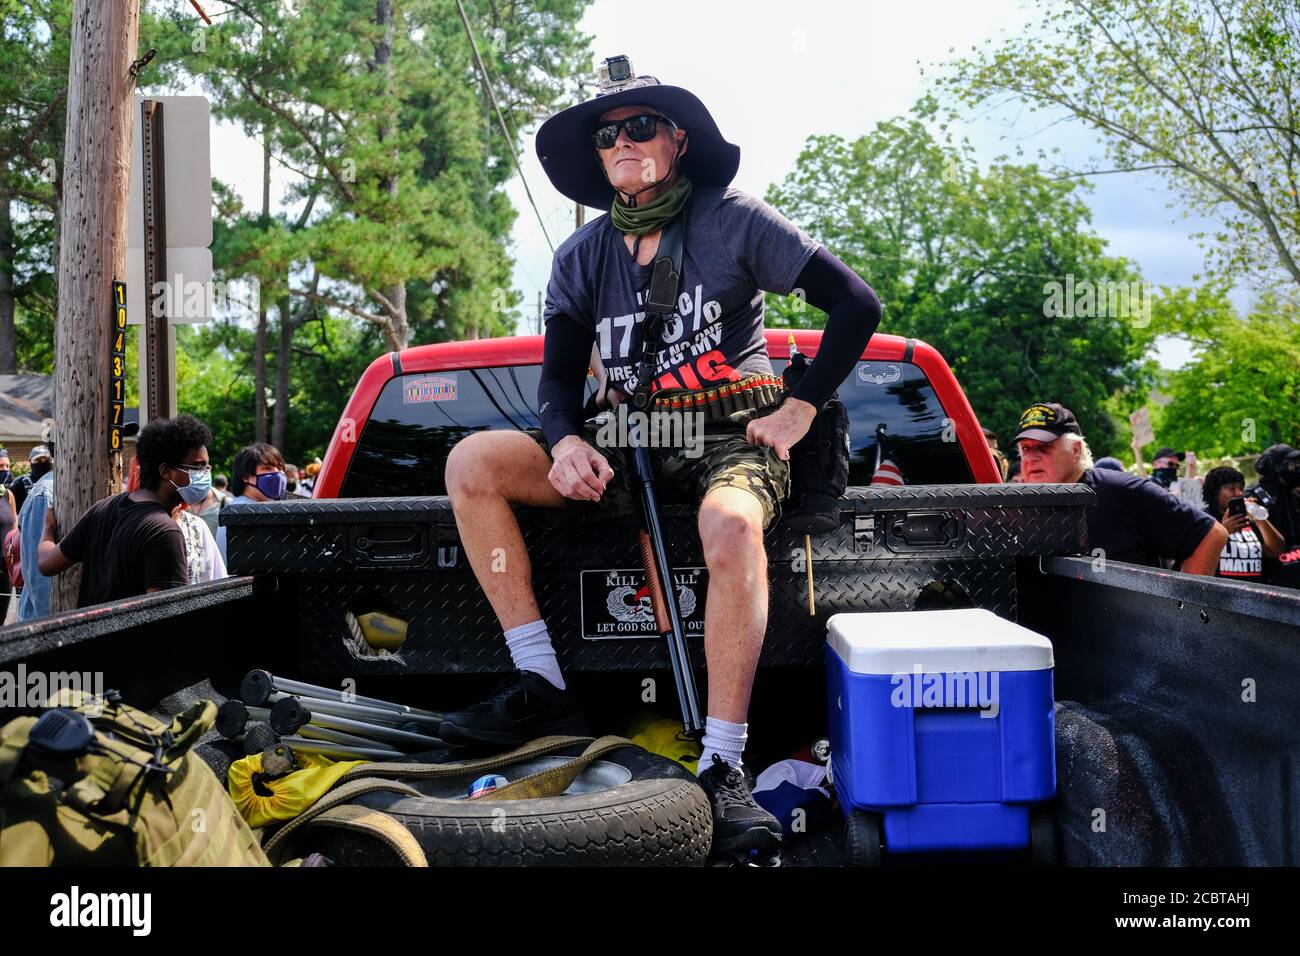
(419, 416)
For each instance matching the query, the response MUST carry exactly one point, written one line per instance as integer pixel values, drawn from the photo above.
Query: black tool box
(897, 548)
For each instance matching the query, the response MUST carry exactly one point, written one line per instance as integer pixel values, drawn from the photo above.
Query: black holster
(819, 464)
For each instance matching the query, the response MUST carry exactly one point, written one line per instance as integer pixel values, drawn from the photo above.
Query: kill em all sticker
(429, 388)
(616, 603)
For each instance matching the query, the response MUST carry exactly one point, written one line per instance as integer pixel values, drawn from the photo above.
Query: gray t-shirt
(735, 247)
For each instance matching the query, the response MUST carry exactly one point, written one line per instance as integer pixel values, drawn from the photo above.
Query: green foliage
(396, 190)
(1241, 391)
(33, 80)
(214, 382)
(963, 259)
(1204, 91)
(391, 140)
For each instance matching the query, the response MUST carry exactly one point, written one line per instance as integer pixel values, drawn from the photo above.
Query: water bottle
(1256, 510)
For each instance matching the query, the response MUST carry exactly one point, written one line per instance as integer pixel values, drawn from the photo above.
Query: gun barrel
(658, 567)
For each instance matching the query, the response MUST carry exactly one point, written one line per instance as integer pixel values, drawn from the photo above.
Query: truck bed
(1151, 668)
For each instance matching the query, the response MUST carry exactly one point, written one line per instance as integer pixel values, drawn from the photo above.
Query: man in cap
(1133, 519)
(39, 498)
(651, 154)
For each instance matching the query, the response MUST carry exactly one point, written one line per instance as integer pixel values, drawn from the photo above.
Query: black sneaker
(740, 825)
(526, 706)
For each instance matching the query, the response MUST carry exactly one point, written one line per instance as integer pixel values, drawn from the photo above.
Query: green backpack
(138, 797)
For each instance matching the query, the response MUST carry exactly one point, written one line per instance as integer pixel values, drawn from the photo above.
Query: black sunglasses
(641, 128)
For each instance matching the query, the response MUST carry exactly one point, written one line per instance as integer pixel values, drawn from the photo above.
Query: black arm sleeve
(853, 313)
(566, 354)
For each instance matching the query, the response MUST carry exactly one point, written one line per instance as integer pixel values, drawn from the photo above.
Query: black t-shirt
(1137, 521)
(125, 547)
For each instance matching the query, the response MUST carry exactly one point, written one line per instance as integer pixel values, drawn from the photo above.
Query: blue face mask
(272, 484)
(198, 488)
(4, 477)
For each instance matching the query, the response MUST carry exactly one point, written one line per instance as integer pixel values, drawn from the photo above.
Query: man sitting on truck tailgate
(129, 543)
(654, 147)
(1133, 519)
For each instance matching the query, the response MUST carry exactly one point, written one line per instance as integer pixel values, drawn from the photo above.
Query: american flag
(887, 471)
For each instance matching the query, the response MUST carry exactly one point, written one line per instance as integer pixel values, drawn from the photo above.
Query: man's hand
(49, 559)
(579, 471)
(782, 429)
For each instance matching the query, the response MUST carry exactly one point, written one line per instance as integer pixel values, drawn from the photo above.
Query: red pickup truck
(1151, 724)
(492, 383)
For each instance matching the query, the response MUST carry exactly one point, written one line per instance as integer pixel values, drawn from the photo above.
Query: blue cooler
(941, 723)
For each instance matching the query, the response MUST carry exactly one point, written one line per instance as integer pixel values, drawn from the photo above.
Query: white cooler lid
(961, 639)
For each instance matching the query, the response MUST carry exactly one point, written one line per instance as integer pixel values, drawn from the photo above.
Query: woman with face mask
(257, 474)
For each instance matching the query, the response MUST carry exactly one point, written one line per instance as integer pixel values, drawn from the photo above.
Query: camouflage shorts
(723, 458)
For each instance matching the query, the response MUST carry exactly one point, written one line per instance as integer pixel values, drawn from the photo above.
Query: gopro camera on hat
(616, 71)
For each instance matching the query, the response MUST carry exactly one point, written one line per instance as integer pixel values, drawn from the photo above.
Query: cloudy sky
(773, 73)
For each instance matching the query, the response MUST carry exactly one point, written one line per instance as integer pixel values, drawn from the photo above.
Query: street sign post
(169, 235)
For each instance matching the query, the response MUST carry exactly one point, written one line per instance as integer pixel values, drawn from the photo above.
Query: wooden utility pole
(96, 178)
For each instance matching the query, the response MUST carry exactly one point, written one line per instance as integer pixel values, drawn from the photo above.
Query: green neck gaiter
(652, 216)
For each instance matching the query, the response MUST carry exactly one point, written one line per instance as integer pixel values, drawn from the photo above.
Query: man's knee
(508, 464)
(477, 465)
(731, 530)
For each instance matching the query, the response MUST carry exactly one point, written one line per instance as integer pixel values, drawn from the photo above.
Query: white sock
(723, 738)
(531, 650)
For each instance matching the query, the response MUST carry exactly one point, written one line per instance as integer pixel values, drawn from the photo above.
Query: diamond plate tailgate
(895, 549)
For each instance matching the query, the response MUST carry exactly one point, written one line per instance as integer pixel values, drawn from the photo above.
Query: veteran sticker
(430, 388)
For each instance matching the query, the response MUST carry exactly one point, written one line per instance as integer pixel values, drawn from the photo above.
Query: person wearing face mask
(34, 600)
(257, 474)
(1164, 472)
(128, 543)
(202, 558)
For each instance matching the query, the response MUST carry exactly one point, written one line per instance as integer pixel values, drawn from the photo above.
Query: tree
(1206, 92)
(968, 261)
(377, 110)
(33, 103)
(1241, 391)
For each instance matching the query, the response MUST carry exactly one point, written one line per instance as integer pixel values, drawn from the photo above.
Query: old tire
(863, 837)
(657, 816)
(1043, 848)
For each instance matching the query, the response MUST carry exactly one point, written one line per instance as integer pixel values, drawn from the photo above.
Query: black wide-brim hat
(564, 142)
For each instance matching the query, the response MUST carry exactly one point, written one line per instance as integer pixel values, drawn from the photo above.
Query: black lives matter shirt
(1242, 556)
(1137, 521)
(125, 547)
(735, 247)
